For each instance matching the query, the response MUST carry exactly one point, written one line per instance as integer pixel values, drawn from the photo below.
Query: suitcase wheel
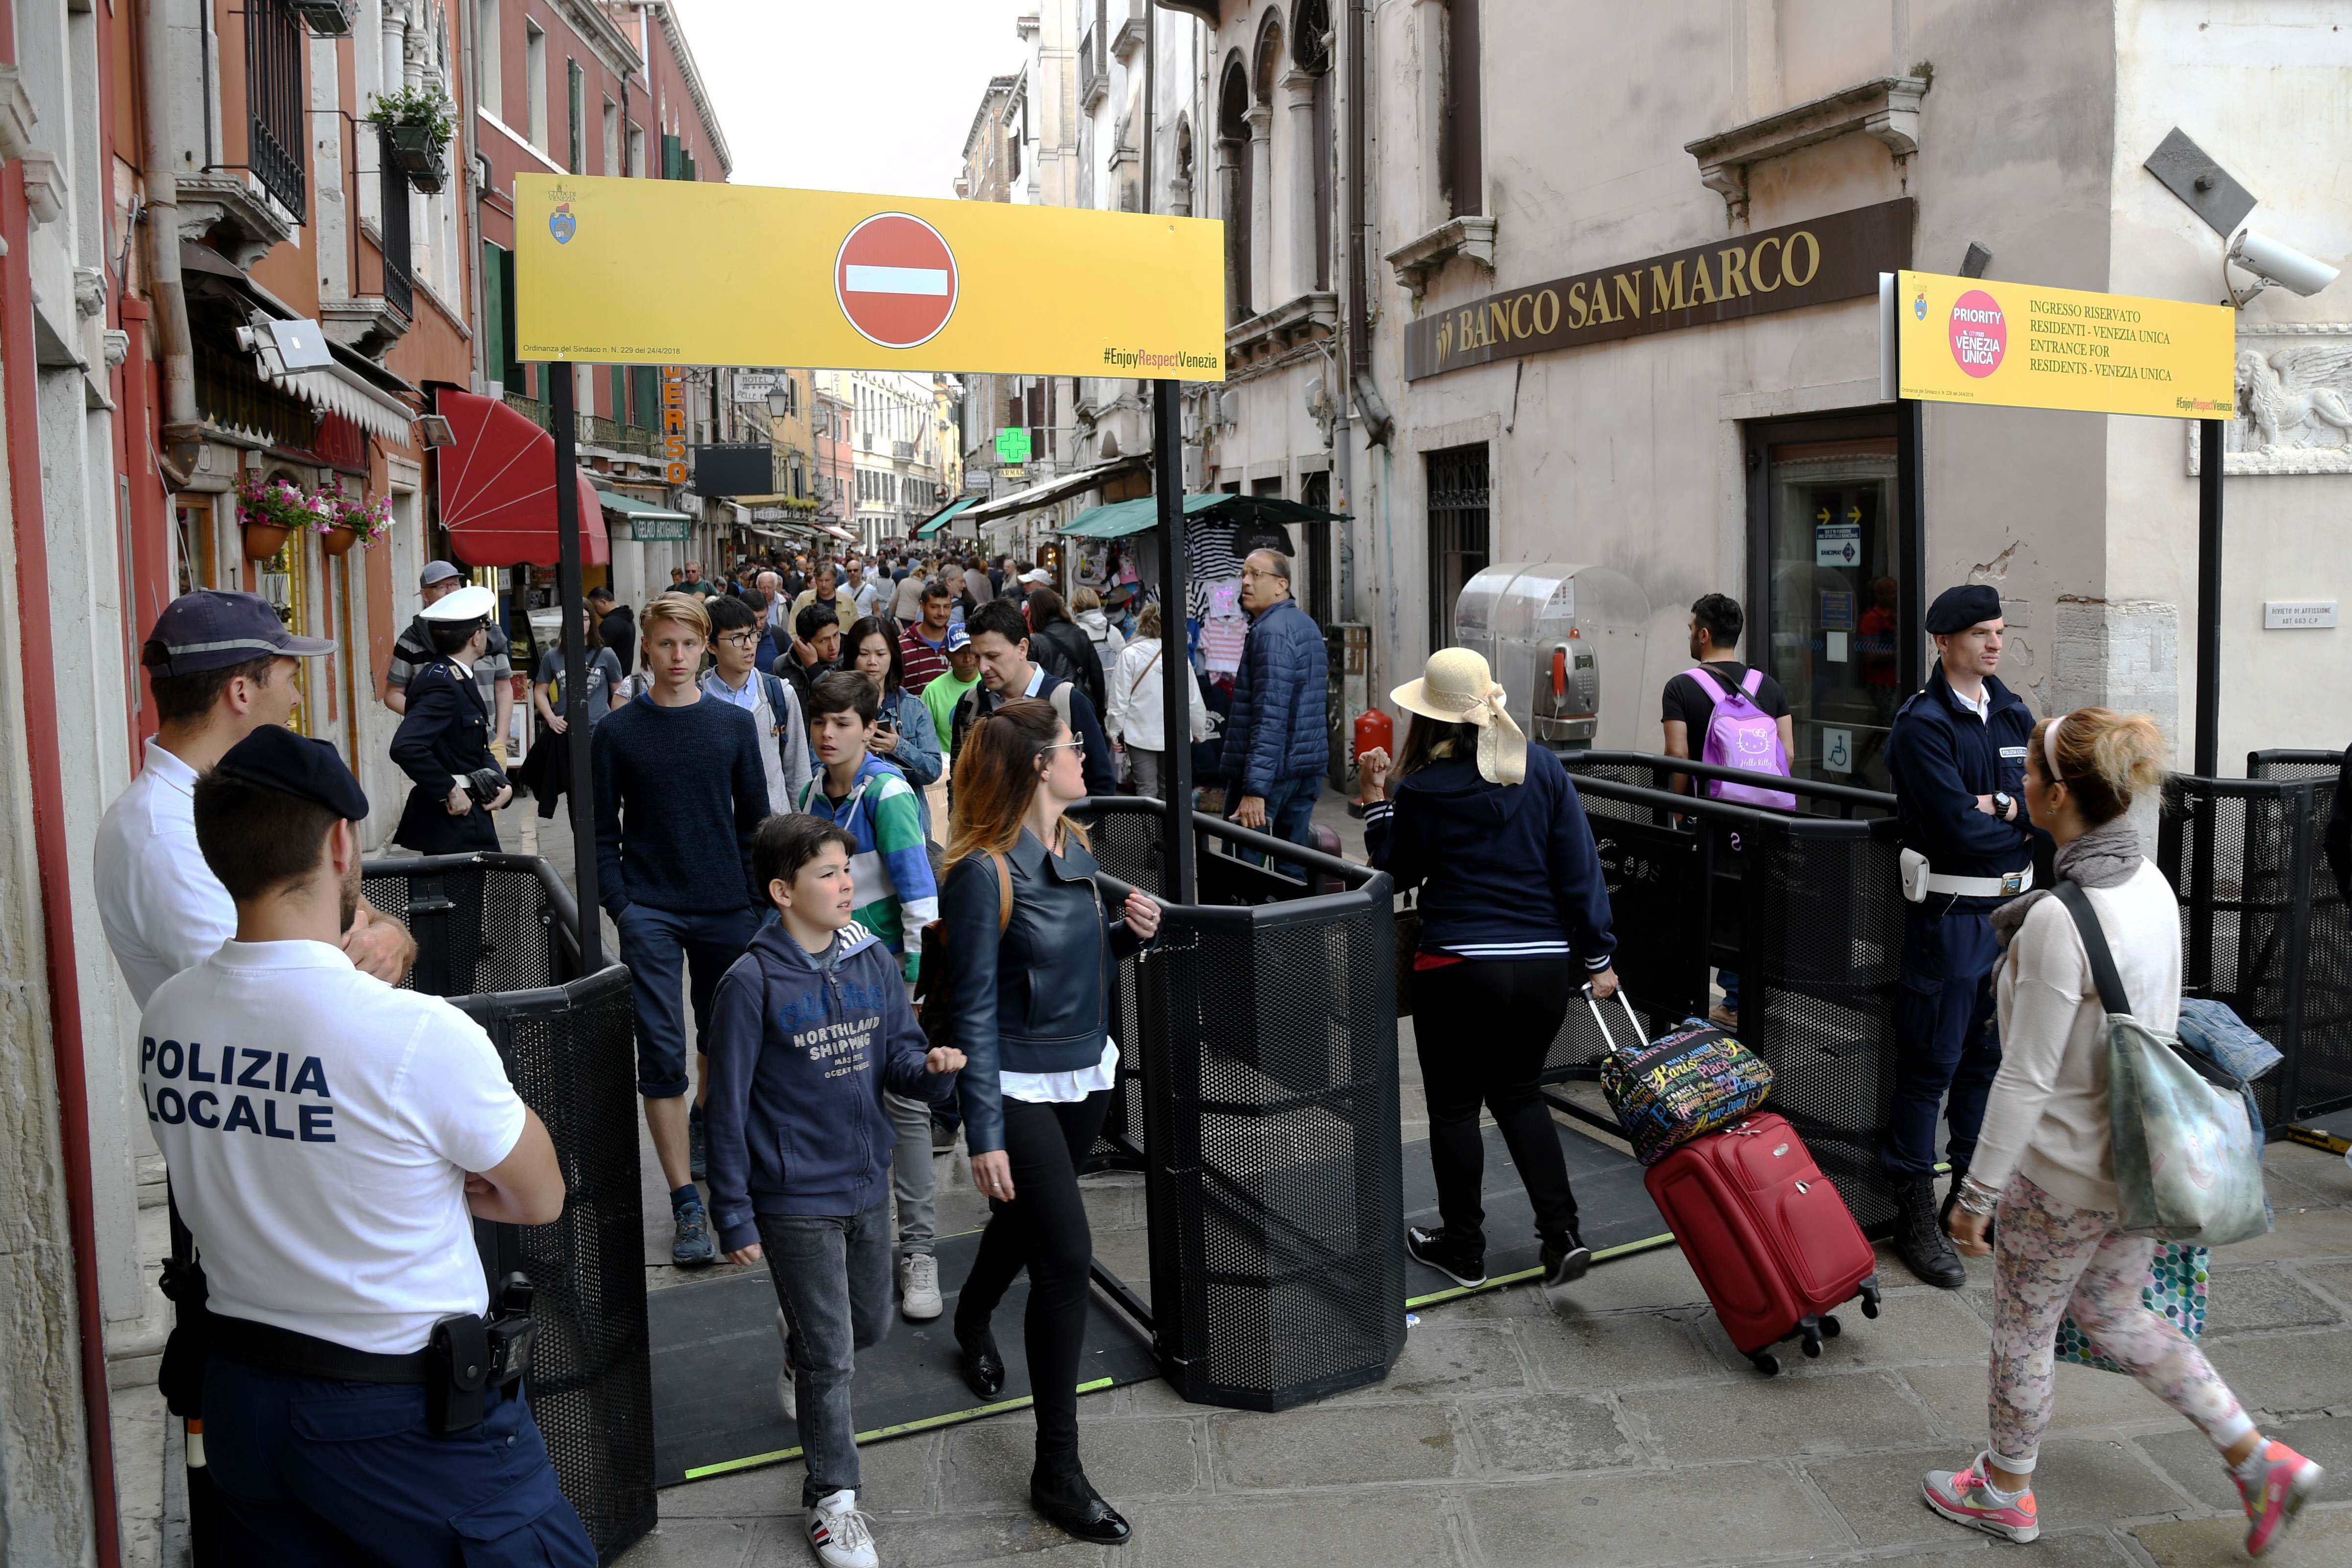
(1811, 1339)
(1870, 1298)
(1766, 1363)
(1832, 1328)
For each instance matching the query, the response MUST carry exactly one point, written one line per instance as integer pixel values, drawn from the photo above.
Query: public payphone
(1566, 643)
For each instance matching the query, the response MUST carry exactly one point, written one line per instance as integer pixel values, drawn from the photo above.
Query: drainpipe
(182, 428)
(1378, 425)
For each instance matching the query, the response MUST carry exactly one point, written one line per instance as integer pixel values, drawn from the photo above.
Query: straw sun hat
(1456, 687)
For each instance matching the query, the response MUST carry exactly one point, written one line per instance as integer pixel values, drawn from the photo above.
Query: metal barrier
(1258, 1057)
(2313, 1002)
(499, 936)
(1807, 908)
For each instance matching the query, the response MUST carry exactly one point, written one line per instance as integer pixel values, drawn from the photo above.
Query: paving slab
(1543, 1433)
(1352, 1530)
(1647, 1281)
(1625, 1349)
(987, 1465)
(898, 1477)
(1444, 1357)
(1336, 1445)
(1731, 1513)
(2326, 1177)
(2333, 1278)
(965, 1541)
(2296, 1233)
(1916, 1326)
(2080, 1483)
(2321, 1539)
(701, 1543)
(1777, 1416)
(2195, 1468)
(2084, 1399)
(2084, 1549)
(2285, 1373)
(2250, 1299)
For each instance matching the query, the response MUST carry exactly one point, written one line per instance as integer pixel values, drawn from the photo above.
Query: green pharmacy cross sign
(1012, 445)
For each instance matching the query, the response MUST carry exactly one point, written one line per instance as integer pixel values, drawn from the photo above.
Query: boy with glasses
(735, 676)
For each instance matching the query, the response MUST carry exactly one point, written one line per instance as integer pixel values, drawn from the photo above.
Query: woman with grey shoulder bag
(2047, 1161)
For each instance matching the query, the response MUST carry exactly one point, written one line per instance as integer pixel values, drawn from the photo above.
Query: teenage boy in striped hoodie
(872, 802)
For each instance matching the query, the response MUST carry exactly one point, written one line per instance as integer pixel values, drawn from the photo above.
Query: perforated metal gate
(2323, 1070)
(505, 929)
(1807, 908)
(1258, 1093)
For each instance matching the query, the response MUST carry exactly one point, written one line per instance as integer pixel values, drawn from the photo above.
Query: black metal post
(1175, 654)
(560, 393)
(1910, 546)
(2209, 599)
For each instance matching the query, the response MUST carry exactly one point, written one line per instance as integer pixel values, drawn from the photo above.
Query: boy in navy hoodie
(808, 1028)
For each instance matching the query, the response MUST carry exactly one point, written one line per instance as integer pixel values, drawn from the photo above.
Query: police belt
(273, 1349)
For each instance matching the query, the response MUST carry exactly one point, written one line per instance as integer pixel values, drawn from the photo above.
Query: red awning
(498, 487)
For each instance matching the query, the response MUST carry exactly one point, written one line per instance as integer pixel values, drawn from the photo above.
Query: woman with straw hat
(1515, 917)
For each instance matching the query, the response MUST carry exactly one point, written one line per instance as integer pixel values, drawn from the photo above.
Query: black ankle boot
(1919, 1238)
(1071, 1504)
(983, 1368)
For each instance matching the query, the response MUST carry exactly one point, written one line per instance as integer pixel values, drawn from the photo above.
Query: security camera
(2273, 262)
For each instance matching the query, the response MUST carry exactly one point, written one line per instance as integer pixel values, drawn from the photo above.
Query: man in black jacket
(1062, 646)
(617, 624)
(1002, 639)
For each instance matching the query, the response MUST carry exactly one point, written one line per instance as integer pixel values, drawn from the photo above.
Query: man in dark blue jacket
(1957, 755)
(808, 1028)
(1277, 742)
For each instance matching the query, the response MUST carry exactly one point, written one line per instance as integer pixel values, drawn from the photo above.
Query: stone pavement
(1611, 1427)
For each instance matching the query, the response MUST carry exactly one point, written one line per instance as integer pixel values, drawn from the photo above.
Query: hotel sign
(1823, 260)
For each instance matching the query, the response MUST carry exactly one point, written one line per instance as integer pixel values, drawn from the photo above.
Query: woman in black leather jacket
(1029, 952)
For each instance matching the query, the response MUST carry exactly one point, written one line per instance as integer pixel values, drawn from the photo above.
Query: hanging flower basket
(270, 511)
(418, 153)
(336, 541)
(417, 124)
(344, 519)
(264, 540)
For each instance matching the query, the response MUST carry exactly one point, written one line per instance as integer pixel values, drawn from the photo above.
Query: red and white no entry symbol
(895, 280)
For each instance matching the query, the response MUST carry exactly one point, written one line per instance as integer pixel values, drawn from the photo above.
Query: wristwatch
(2002, 801)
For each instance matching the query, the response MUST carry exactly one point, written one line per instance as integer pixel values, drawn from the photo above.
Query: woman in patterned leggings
(2044, 1165)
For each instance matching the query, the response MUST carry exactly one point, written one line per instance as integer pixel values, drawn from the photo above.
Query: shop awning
(636, 511)
(498, 487)
(1141, 515)
(1052, 490)
(944, 516)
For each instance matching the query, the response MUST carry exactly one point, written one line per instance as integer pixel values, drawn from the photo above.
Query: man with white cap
(443, 742)
(221, 664)
(493, 672)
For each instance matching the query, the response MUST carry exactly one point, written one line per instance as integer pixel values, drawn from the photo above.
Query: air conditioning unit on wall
(1196, 467)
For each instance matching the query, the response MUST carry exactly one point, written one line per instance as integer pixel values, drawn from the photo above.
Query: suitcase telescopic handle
(1630, 1016)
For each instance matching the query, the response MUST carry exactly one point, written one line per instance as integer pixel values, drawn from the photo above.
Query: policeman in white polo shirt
(330, 1139)
(221, 664)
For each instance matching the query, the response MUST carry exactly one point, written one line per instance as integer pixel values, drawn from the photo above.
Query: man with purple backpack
(1727, 714)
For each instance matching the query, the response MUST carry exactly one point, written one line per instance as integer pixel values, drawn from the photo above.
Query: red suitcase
(1769, 1238)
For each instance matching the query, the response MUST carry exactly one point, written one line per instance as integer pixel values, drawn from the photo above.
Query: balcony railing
(598, 431)
(399, 285)
(902, 451)
(1094, 76)
(531, 408)
(274, 43)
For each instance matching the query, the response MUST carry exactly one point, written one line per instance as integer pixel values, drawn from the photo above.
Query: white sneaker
(787, 1387)
(840, 1535)
(919, 1287)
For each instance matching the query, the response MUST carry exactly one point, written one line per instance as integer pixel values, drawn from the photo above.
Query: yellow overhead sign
(1971, 340)
(690, 272)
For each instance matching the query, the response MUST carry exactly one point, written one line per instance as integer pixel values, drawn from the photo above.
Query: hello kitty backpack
(1741, 735)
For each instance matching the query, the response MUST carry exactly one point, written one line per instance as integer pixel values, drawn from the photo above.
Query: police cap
(470, 603)
(1957, 609)
(274, 757)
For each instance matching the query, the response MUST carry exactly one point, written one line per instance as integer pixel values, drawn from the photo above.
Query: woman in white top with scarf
(2044, 1165)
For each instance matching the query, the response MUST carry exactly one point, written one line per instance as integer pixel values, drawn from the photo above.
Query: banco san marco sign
(1838, 257)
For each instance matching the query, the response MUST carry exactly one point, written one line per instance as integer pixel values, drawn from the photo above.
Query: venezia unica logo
(1919, 307)
(1980, 333)
(561, 223)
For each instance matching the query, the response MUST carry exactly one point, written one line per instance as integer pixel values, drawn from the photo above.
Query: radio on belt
(1567, 644)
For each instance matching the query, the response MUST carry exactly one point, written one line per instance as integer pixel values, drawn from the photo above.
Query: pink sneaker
(1966, 1498)
(2288, 1481)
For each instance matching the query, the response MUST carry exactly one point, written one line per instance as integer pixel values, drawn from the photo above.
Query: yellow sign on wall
(1972, 340)
(690, 272)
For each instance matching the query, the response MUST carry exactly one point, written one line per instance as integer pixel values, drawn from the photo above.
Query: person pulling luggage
(1957, 752)
(1491, 831)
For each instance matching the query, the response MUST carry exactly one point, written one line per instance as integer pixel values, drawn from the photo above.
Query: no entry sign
(895, 280)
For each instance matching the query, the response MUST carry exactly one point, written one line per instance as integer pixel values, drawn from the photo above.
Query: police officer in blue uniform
(444, 741)
(331, 1140)
(1956, 751)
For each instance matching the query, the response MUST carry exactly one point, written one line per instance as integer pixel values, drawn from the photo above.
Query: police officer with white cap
(1957, 752)
(331, 1140)
(444, 741)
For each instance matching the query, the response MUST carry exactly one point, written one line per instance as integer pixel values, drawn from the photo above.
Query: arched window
(1234, 183)
(1310, 49)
